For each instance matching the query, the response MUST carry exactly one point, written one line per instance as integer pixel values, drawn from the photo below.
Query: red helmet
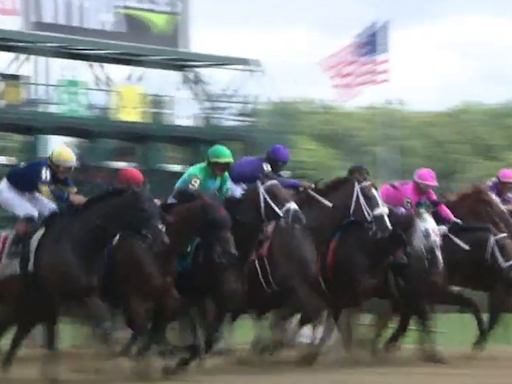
(130, 177)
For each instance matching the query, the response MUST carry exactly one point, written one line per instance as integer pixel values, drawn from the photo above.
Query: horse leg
(444, 295)
(197, 349)
(259, 333)
(102, 318)
(430, 353)
(225, 344)
(381, 324)
(496, 302)
(49, 367)
(22, 331)
(400, 331)
(7, 320)
(135, 319)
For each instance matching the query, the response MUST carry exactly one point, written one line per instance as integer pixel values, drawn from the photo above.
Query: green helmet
(220, 154)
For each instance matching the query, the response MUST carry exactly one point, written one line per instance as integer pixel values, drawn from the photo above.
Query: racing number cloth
(129, 103)
(12, 91)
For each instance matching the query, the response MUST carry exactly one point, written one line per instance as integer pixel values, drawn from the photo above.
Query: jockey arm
(225, 182)
(442, 209)
(392, 196)
(289, 183)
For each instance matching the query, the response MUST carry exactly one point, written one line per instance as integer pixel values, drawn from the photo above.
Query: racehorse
(66, 265)
(138, 277)
(208, 274)
(359, 269)
(477, 257)
(326, 210)
(278, 255)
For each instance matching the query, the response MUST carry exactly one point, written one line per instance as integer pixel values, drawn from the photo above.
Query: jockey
(358, 171)
(501, 187)
(33, 191)
(405, 195)
(130, 177)
(210, 177)
(249, 169)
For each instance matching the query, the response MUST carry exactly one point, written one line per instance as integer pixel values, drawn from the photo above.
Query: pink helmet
(426, 176)
(505, 176)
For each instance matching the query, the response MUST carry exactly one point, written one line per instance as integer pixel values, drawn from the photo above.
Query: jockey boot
(25, 231)
(398, 260)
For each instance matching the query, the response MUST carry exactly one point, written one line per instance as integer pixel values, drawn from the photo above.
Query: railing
(122, 103)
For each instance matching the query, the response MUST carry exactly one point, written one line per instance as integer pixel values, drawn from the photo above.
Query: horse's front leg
(102, 318)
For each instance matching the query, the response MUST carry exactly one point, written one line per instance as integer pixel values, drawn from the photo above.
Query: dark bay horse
(278, 257)
(139, 278)
(193, 217)
(477, 258)
(327, 209)
(359, 269)
(203, 251)
(67, 263)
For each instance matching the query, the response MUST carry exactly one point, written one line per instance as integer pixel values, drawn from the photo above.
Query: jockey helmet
(426, 177)
(358, 169)
(63, 156)
(130, 177)
(220, 154)
(505, 176)
(278, 153)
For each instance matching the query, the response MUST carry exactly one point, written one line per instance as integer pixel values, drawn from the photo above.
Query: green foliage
(464, 145)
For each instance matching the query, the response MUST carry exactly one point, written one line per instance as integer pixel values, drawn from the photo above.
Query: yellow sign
(129, 103)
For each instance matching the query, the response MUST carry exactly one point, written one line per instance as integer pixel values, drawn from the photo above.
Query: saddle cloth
(10, 263)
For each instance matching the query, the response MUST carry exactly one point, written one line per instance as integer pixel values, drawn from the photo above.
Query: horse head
(424, 237)
(121, 210)
(268, 201)
(198, 216)
(478, 205)
(349, 198)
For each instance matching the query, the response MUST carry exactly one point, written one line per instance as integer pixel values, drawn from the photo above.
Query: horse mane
(476, 191)
(102, 197)
(333, 185)
(480, 195)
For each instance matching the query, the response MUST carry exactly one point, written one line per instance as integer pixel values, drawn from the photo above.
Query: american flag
(362, 63)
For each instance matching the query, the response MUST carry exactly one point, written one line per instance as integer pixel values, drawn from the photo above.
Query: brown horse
(207, 271)
(327, 209)
(66, 264)
(477, 258)
(277, 255)
(138, 278)
(193, 217)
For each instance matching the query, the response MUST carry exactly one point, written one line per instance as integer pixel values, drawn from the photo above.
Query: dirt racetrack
(493, 366)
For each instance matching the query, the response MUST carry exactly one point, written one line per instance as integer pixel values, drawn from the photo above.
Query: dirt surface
(493, 366)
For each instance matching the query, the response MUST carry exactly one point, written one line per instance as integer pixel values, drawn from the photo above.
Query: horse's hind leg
(400, 331)
(49, 367)
(23, 330)
(497, 301)
(446, 296)
(431, 355)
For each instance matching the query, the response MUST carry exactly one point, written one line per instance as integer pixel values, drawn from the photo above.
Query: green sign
(72, 97)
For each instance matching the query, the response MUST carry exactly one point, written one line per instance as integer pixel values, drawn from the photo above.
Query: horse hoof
(124, 353)
(435, 358)
(169, 370)
(391, 348)
(478, 346)
(308, 359)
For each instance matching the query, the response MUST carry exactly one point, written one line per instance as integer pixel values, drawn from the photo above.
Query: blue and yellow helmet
(63, 156)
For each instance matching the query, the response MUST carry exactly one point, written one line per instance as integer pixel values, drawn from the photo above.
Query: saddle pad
(11, 265)
(184, 261)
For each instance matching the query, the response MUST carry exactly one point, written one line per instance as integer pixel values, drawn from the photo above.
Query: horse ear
(166, 208)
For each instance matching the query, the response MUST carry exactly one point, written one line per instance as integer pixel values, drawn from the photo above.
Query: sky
(442, 52)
